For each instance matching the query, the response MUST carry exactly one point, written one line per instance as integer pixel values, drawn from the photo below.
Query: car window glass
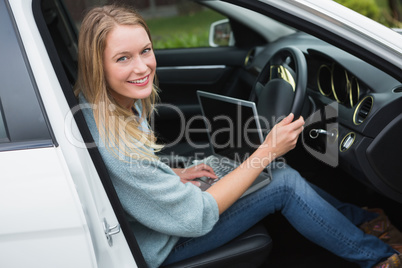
(173, 23)
(22, 122)
(188, 25)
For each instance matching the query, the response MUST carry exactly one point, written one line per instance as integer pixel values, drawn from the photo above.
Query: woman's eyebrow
(120, 53)
(128, 52)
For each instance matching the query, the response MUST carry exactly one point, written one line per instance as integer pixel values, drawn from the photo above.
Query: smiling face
(129, 64)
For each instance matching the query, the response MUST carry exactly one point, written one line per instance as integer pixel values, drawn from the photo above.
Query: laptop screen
(232, 125)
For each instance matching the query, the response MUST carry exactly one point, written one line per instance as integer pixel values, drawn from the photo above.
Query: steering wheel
(280, 87)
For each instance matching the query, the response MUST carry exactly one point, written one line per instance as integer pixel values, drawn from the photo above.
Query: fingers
(201, 170)
(203, 167)
(299, 122)
(298, 125)
(285, 134)
(287, 120)
(204, 173)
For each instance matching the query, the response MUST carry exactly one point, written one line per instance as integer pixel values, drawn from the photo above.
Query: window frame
(25, 124)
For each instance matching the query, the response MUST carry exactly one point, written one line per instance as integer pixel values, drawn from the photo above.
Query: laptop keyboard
(223, 166)
(220, 167)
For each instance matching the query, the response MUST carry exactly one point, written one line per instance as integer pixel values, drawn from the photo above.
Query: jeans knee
(287, 176)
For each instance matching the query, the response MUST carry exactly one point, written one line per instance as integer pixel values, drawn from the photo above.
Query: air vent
(398, 90)
(249, 58)
(363, 110)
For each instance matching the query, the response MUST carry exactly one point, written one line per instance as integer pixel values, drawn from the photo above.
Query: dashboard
(359, 105)
(335, 82)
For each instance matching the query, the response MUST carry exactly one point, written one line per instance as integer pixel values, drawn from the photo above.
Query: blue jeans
(314, 213)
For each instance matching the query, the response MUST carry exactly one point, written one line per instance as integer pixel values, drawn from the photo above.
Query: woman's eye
(146, 50)
(122, 58)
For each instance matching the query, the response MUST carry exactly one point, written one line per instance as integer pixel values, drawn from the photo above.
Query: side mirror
(220, 34)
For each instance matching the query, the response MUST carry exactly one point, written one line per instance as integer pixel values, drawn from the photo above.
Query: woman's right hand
(283, 136)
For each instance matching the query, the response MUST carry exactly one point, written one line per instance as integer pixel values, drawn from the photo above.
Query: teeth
(139, 81)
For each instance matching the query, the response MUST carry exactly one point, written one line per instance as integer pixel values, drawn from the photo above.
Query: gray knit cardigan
(160, 208)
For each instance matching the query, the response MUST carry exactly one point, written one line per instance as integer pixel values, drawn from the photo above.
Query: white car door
(54, 210)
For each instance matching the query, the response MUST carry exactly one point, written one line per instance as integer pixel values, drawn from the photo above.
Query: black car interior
(257, 248)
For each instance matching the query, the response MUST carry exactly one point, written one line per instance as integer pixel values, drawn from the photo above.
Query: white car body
(52, 203)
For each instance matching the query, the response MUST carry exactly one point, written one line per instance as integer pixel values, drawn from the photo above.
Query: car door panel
(181, 72)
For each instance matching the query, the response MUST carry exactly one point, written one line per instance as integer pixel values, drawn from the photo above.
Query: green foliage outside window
(378, 10)
(191, 30)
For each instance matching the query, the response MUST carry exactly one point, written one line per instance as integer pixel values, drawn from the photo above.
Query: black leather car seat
(251, 249)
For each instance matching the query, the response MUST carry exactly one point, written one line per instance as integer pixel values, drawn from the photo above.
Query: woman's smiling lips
(140, 82)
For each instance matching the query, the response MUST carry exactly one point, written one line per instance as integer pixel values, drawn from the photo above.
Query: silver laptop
(234, 133)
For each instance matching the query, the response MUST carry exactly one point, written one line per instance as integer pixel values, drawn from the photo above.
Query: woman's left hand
(189, 174)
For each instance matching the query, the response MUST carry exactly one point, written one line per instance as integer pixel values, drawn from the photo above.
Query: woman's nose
(140, 65)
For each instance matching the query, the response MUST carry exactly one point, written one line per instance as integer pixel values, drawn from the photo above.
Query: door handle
(110, 231)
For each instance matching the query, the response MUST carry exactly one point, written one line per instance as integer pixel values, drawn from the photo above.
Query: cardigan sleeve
(154, 195)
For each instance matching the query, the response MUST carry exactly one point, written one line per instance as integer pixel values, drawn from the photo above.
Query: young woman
(170, 216)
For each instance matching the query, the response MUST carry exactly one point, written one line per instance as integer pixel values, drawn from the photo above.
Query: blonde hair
(118, 127)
